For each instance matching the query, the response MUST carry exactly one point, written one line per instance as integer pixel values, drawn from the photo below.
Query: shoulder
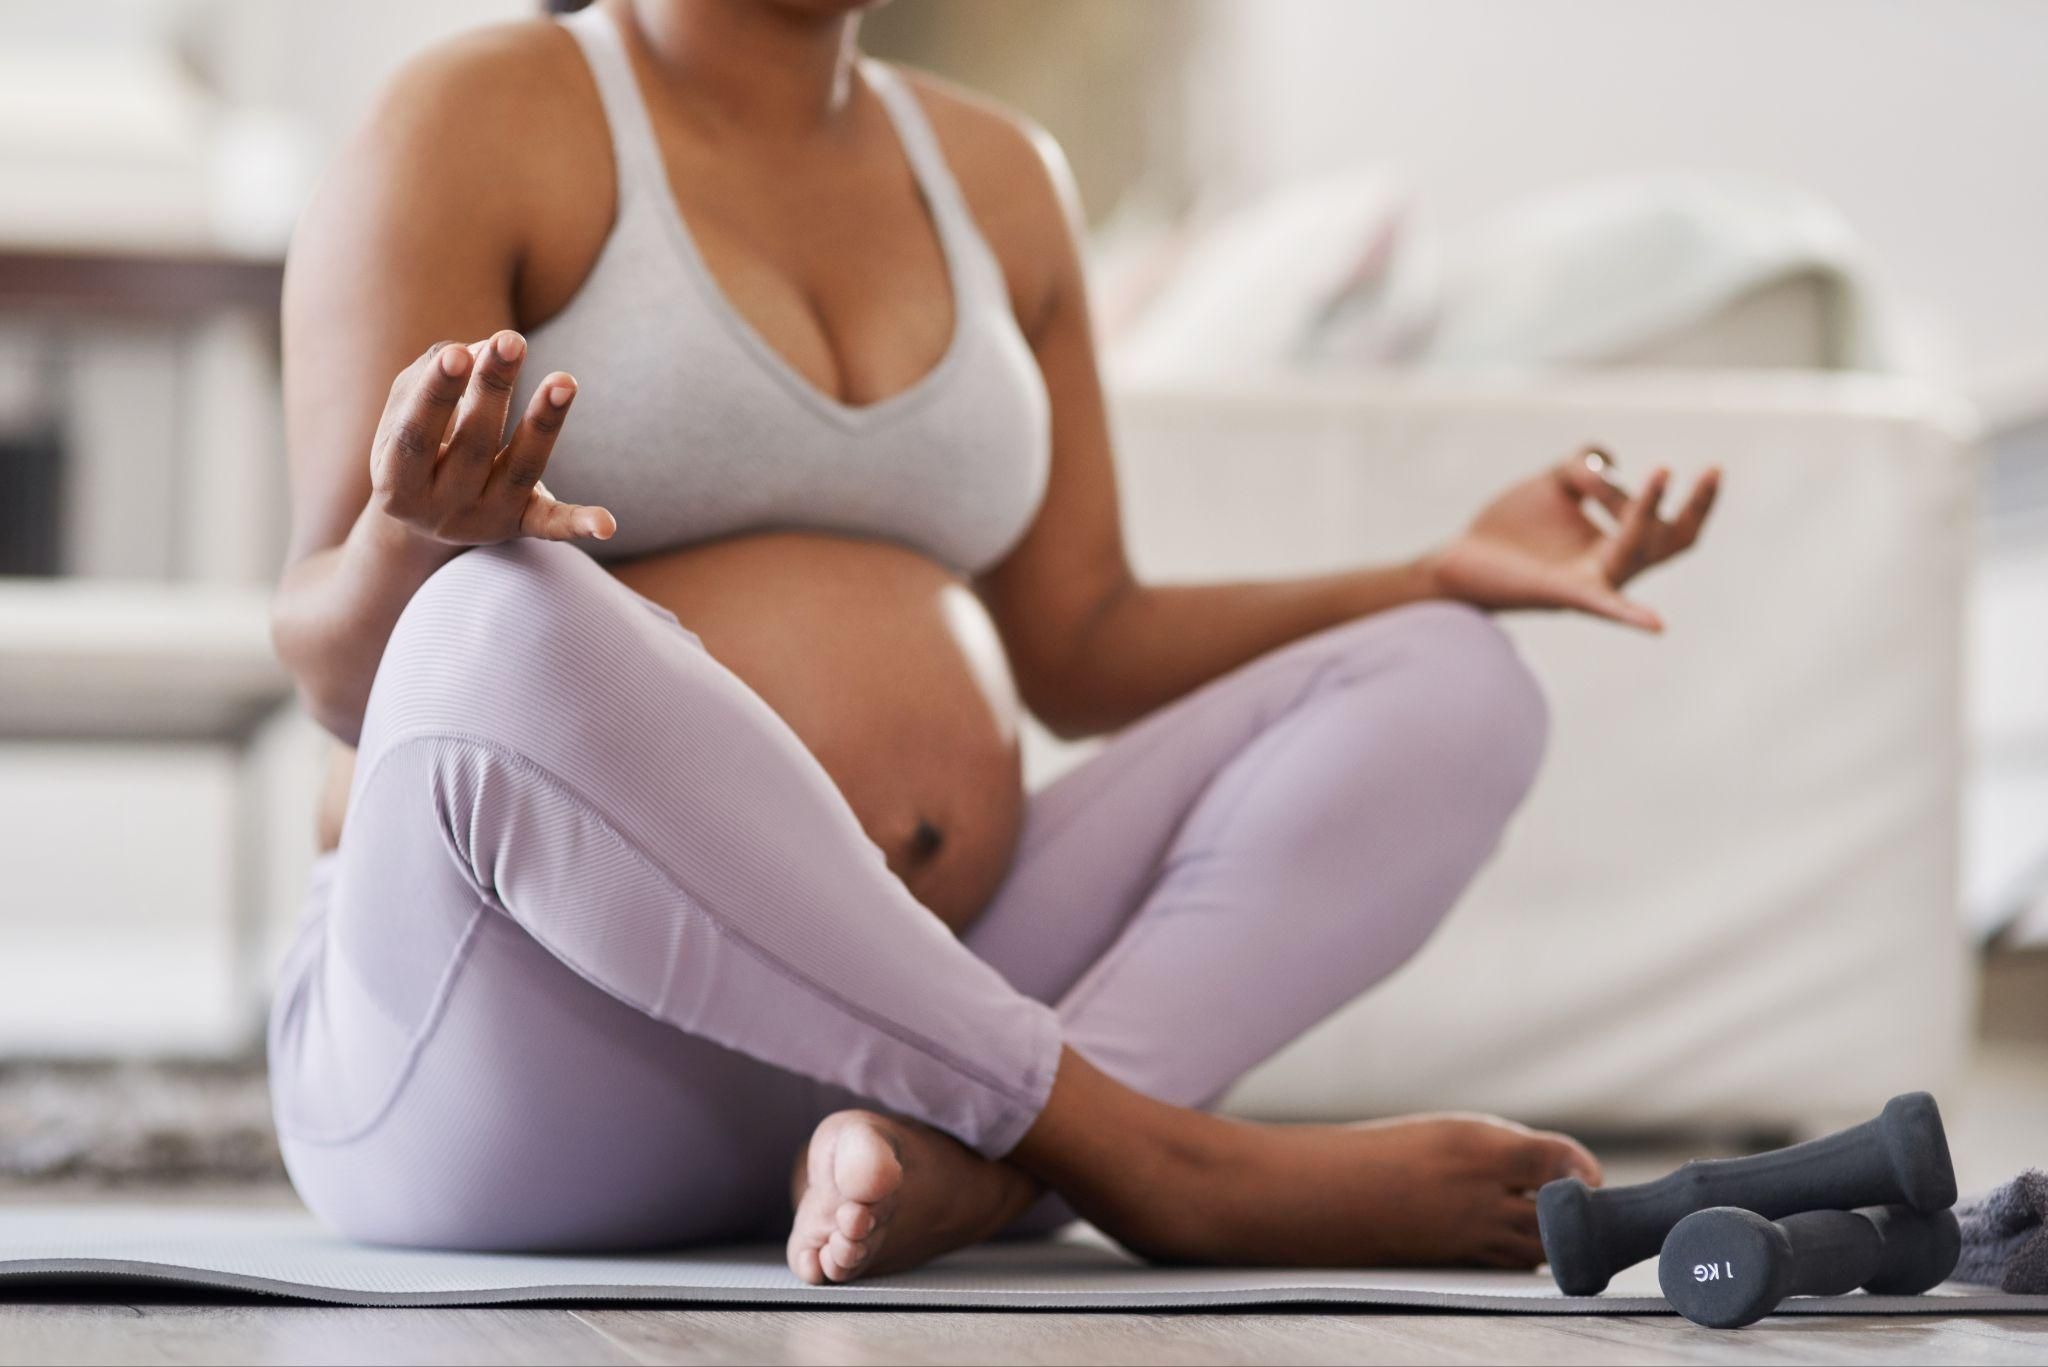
(482, 124)
(1015, 180)
(494, 139)
(491, 83)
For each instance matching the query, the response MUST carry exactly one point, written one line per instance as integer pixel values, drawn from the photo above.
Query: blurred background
(1356, 262)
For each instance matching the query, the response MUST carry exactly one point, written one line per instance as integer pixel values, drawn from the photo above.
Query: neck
(752, 64)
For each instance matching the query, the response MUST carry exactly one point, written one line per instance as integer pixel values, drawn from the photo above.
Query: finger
(480, 419)
(406, 380)
(1617, 608)
(1518, 1216)
(1587, 592)
(1628, 550)
(1685, 528)
(403, 380)
(409, 441)
(520, 468)
(1589, 475)
(549, 519)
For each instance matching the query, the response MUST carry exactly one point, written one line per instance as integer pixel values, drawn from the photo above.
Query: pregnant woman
(680, 864)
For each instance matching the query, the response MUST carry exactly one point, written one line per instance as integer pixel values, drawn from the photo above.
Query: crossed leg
(602, 943)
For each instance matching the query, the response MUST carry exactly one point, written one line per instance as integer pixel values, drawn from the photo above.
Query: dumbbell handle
(1833, 1251)
(1900, 1157)
(1728, 1267)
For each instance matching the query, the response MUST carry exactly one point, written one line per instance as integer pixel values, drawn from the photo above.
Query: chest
(799, 336)
(837, 264)
(826, 248)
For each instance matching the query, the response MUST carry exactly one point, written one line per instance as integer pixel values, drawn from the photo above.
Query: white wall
(1922, 121)
(324, 61)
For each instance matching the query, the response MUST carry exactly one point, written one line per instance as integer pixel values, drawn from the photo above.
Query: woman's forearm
(1148, 644)
(335, 609)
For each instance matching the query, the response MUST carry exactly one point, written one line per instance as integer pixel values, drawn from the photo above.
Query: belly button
(926, 841)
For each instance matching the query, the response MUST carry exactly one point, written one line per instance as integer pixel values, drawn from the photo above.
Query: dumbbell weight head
(1920, 1251)
(1570, 1226)
(1917, 1146)
(1725, 1267)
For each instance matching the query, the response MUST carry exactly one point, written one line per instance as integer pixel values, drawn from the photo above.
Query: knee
(508, 586)
(1469, 700)
(514, 594)
(495, 624)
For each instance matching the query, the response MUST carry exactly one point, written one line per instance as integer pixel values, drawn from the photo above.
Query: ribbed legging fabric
(602, 942)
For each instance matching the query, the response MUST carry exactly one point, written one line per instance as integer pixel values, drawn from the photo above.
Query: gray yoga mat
(285, 1253)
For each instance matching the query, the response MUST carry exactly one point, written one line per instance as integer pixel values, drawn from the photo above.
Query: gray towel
(2005, 1236)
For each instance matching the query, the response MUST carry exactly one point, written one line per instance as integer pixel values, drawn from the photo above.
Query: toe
(1518, 1213)
(1541, 1158)
(857, 1220)
(842, 1258)
(805, 1262)
(1578, 1160)
(1516, 1254)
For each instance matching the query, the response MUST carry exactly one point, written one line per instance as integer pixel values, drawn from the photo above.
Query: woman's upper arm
(414, 237)
(1071, 562)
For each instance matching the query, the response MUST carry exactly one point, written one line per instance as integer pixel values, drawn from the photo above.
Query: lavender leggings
(602, 942)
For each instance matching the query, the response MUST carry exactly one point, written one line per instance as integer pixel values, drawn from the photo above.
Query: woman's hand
(440, 464)
(1536, 547)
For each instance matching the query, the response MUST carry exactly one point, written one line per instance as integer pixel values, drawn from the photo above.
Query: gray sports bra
(689, 426)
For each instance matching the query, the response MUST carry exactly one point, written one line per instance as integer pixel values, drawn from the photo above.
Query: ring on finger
(1602, 467)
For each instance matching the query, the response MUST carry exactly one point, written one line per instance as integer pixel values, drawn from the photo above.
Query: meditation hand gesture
(1535, 546)
(440, 463)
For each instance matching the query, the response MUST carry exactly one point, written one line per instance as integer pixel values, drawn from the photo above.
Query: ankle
(1012, 1191)
(1199, 1169)
(1155, 1177)
(1168, 1194)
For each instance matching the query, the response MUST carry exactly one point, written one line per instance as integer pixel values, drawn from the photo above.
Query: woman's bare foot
(1180, 1186)
(1431, 1190)
(875, 1195)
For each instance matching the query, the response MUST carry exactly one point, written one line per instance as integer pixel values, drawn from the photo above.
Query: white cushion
(1248, 290)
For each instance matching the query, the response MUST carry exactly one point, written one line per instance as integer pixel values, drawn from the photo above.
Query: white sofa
(1732, 898)
(132, 763)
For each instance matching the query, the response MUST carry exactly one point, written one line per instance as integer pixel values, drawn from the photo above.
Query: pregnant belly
(890, 672)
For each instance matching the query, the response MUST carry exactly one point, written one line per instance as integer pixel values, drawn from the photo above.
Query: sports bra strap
(634, 148)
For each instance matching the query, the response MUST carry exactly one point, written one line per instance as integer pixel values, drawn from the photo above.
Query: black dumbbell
(1727, 1267)
(1898, 1158)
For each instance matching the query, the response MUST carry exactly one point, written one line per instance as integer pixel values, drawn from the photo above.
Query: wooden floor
(106, 1331)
